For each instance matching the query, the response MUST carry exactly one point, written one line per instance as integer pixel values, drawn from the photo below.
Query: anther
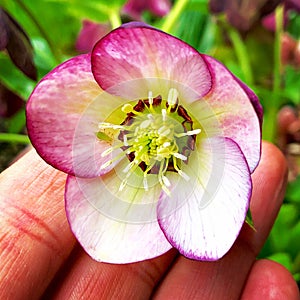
(188, 133)
(127, 108)
(145, 123)
(164, 114)
(104, 125)
(145, 183)
(106, 164)
(107, 151)
(125, 140)
(183, 175)
(150, 117)
(150, 97)
(122, 185)
(128, 167)
(166, 181)
(180, 156)
(109, 162)
(172, 97)
(163, 131)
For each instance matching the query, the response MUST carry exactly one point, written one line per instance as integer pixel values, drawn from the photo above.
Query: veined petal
(63, 114)
(202, 218)
(114, 226)
(254, 100)
(142, 56)
(237, 109)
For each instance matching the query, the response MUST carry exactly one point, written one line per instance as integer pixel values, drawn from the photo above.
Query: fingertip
(272, 158)
(269, 182)
(270, 280)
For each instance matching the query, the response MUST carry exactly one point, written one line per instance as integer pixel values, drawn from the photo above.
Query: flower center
(156, 137)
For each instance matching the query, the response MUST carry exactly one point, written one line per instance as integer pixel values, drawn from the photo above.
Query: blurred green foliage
(53, 27)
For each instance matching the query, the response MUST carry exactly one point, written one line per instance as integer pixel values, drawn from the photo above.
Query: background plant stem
(114, 18)
(242, 54)
(173, 16)
(275, 103)
(14, 138)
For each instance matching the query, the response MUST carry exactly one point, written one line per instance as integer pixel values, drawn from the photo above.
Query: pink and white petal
(236, 110)
(254, 100)
(146, 58)
(203, 216)
(113, 226)
(65, 97)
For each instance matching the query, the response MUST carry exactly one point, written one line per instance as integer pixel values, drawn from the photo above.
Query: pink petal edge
(237, 109)
(63, 113)
(135, 59)
(203, 218)
(104, 237)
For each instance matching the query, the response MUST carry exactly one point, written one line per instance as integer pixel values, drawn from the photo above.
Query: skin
(40, 258)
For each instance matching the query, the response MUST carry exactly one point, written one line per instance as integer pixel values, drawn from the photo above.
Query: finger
(270, 280)
(35, 237)
(89, 279)
(225, 278)
(269, 183)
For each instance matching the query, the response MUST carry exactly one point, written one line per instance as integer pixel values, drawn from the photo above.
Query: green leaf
(17, 123)
(196, 29)
(294, 242)
(14, 79)
(249, 220)
(198, 5)
(280, 235)
(49, 20)
(44, 59)
(294, 24)
(284, 259)
(14, 138)
(95, 10)
(84, 10)
(292, 85)
(293, 191)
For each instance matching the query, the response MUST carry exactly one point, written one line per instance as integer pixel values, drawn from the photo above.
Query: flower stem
(41, 30)
(271, 115)
(114, 18)
(242, 54)
(173, 16)
(14, 138)
(277, 49)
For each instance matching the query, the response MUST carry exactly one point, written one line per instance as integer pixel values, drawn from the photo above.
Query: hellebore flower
(290, 50)
(159, 142)
(89, 34)
(243, 14)
(135, 8)
(269, 21)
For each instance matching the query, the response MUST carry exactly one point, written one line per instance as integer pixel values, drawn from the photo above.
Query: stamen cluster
(154, 137)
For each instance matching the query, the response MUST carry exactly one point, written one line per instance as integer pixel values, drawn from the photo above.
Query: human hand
(40, 257)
